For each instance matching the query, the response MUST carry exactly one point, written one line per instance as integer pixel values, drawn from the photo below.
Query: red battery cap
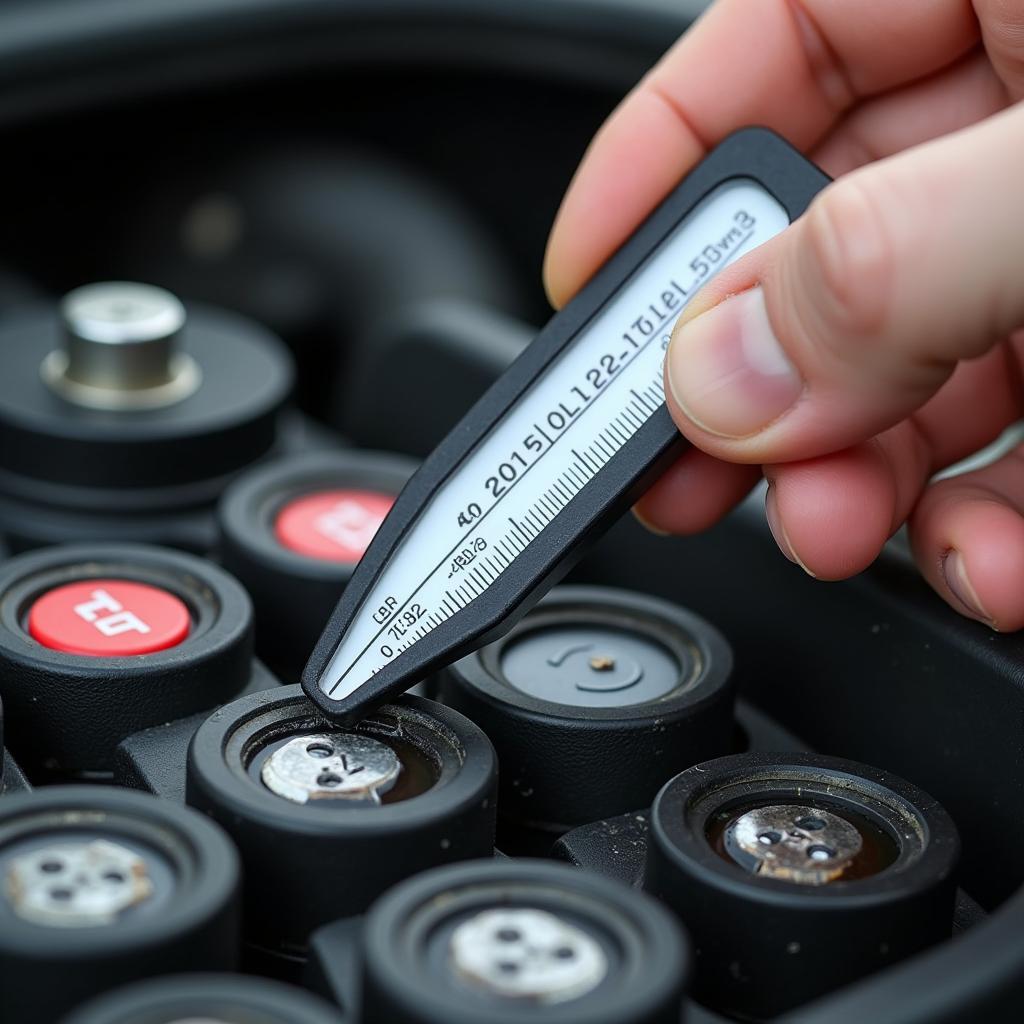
(334, 526)
(108, 618)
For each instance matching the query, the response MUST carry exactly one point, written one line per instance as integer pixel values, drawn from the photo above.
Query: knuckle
(852, 261)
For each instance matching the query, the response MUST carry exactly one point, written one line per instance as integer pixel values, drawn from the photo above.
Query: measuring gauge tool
(561, 444)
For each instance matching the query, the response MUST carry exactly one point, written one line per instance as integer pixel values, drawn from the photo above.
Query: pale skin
(881, 337)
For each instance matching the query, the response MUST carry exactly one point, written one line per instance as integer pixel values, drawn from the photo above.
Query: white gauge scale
(547, 449)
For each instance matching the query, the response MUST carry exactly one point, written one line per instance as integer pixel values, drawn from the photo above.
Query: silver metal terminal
(331, 766)
(120, 351)
(527, 954)
(77, 884)
(796, 843)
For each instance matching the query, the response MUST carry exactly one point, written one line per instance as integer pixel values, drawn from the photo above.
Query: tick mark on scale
(546, 410)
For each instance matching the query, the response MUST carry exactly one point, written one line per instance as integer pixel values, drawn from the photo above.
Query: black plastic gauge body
(474, 944)
(307, 863)
(293, 592)
(159, 895)
(68, 711)
(14, 780)
(71, 472)
(593, 700)
(753, 154)
(220, 998)
(766, 941)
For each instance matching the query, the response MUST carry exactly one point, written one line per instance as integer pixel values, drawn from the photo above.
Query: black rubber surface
(798, 941)
(67, 712)
(307, 864)
(145, 459)
(563, 765)
(45, 971)
(648, 954)
(224, 998)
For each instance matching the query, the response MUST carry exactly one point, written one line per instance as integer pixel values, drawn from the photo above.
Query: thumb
(858, 313)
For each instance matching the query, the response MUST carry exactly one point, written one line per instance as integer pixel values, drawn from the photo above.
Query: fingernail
(649, 526)
(955, 571)
(771, 512)
(727, 370)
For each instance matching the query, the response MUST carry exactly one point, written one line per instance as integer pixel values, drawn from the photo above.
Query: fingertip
(640, 516)
(992, 563)
(967, 533)
(970, 547)
(620, 179)
(557, 273)
(833, 514)
(778, 528)
(694, 493)
(553, 290)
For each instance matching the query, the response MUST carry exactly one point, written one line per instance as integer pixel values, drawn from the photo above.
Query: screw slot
(319, 750)
(809, 823)
(769, 838)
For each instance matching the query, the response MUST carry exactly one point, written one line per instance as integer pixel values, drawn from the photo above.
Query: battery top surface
(591, 666)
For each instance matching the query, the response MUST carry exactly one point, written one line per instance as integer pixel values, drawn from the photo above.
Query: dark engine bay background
(374, 183)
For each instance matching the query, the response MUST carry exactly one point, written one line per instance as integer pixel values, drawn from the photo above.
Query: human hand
(872, 343)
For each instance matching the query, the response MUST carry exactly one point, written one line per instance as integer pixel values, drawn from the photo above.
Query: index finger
(792, 65)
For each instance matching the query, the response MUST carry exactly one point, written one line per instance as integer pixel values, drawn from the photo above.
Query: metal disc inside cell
(331, 766)
(801, 844)
(77, 884)
(591, 667)
(526, 954)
